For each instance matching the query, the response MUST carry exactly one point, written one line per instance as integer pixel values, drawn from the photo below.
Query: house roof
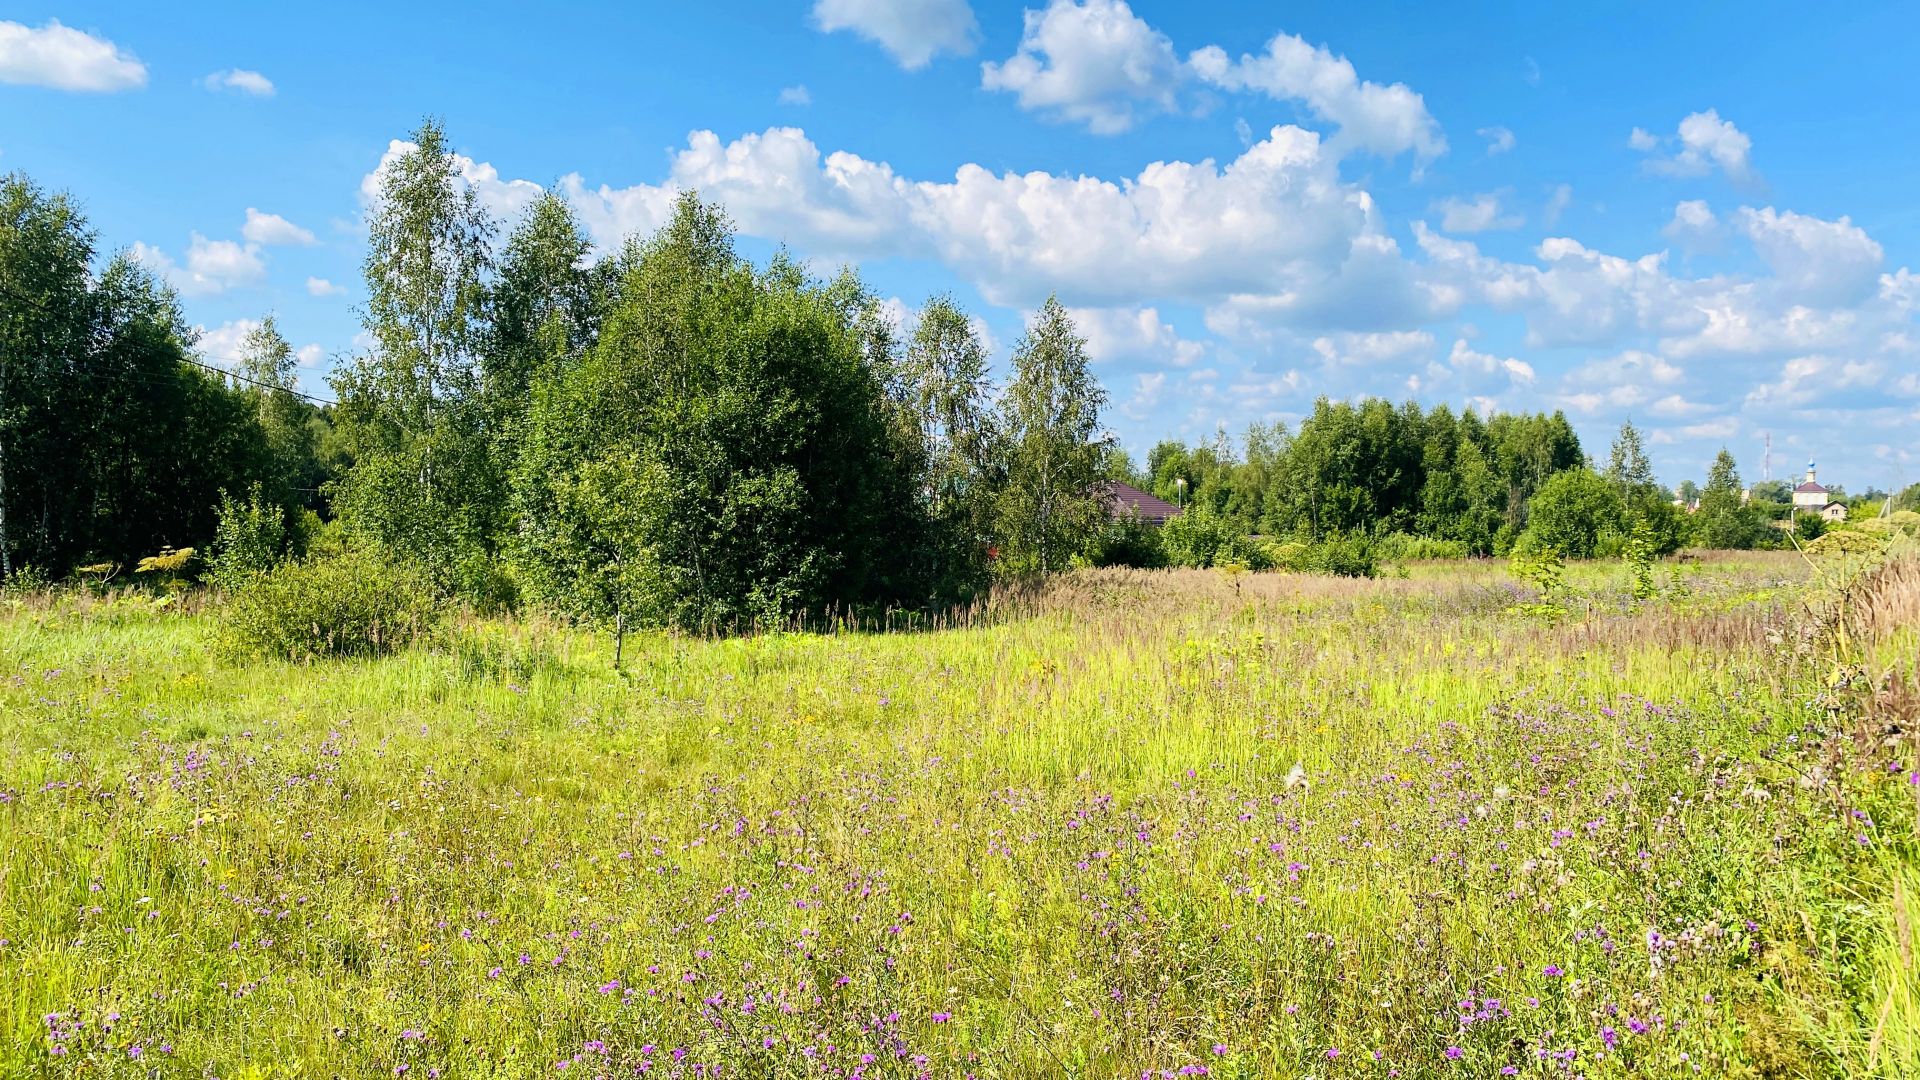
(1125, 498)
(1809, 488)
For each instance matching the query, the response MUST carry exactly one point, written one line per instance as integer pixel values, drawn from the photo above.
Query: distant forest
(668, 434)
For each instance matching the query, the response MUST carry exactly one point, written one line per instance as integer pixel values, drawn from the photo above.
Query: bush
(353, 604)
(1200, 538)
(1571, 512)
(1344, 556)
(1848, 542)
(1408, 547)
(249, 540)
(1129, 541)
(1809, 527)
(1341, 556)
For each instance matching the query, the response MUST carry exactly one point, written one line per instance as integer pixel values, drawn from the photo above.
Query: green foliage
(1640, 553)
(1849, 543)
(1407, 547)
(1571, 513)
(1202, 538)
(1240, 780)
(1808, 526)
(725, 455)
(1126, 540)
(426, 485)
(1352, 555)
(1544, 569)
(1724, 520)
(249, 540)
(942, 384)
(1053, 501)
(356, 604)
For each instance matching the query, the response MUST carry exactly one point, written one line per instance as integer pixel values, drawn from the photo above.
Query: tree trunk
(619, 637)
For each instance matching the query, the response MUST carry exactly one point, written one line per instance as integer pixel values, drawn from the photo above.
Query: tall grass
(1183, 823)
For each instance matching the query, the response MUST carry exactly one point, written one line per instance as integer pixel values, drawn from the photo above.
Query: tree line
(670, 434)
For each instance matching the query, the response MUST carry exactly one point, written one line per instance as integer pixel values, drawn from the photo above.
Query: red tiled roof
(1123, 498)
(1809, 488)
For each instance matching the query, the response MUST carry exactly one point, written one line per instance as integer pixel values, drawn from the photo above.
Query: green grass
(1264, 826)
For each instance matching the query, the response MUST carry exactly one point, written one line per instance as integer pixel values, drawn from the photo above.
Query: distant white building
(1811, 497)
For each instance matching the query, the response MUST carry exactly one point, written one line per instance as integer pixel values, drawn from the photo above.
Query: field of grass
(1164, 824)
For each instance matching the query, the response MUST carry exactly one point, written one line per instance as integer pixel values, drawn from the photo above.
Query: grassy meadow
(1143, 824)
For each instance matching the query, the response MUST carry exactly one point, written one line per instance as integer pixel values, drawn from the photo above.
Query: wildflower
(1454, 1053)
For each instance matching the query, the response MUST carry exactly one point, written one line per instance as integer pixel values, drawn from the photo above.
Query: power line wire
(255, 382)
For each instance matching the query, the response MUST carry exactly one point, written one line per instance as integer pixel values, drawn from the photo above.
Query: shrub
(170, 571)
(1352, 555)
(1129, 541)
(1848, 542)
(1344, 556)
(249, 539)
(1809, 527)
(1196, 537)
(1571, 512)
(353, 604)
(1408, 547)
(1200, 538)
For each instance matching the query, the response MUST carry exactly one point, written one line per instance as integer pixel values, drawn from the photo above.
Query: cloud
(322, 287)
(912, 31)
(1818, 261)
(502, 199)
(223, 345)
(1464, 358)
(241, 80)
(272, 229)
(1385, 120)
(1093, 62)
(1134, 334)
(1381, 348)
(1277, 221)
(1478, 214)
(1693, 226)
(212, 266)
(1097, 63)
(1557, 204)
(796, 95)
(1805, 379)
(1148, 388)
(1499, 139)
(1285, 258)
(1705, 142)
(63, 58)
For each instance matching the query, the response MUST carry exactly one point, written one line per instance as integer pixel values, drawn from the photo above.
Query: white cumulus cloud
(912, 31)
(63, 58)
(212, 266)
(241, 81)
(1095, 62)
(1703, 143)
(1385, 120)
(1481, 213)
(272, 229)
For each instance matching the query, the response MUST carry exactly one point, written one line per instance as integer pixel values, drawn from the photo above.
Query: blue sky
(1698, 218)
